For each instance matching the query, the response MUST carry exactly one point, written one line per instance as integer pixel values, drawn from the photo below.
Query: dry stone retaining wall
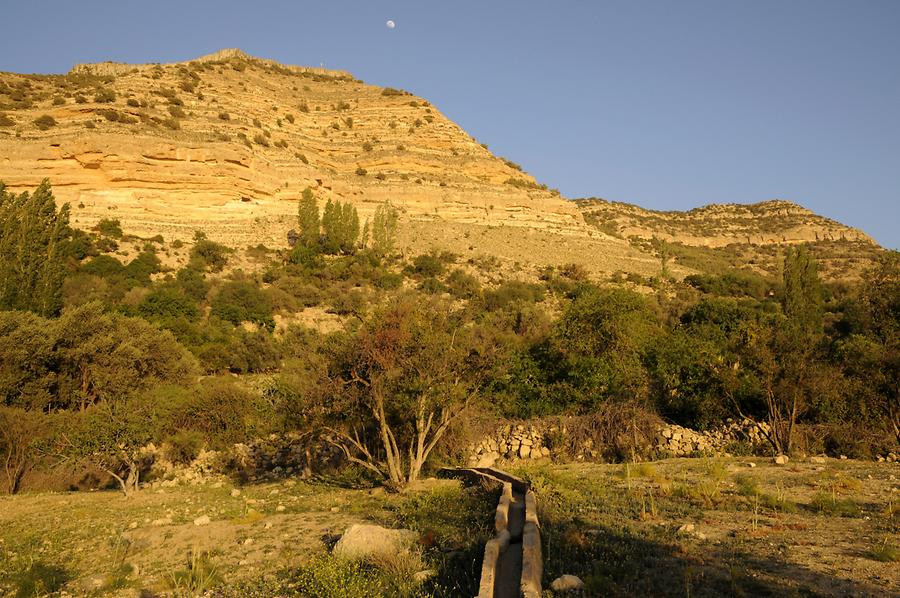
(516, 442)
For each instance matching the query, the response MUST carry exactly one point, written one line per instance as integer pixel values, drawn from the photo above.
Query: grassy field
(681, 527)
(698, 527)
(270, 539)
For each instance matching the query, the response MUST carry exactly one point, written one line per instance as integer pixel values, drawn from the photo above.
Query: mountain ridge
(227, 142)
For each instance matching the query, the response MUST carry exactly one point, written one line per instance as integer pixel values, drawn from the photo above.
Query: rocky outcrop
(717, 225)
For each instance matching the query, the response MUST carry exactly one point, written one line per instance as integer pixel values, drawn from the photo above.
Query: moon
(391, 24)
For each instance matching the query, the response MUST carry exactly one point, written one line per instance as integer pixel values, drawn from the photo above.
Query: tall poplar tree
(33, 238)
(308, 216)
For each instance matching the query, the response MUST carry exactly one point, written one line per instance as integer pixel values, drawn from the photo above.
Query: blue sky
(666, 104)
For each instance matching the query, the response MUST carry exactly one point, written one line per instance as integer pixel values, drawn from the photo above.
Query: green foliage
(44, 122)
(340, 227)
(428, 265)
(168, 302)
(802, 290)
(105, 96)
(242, 301)
(384, 229)
(308, 219)
(601, 340)
(110, 228)
(84, 357)
(183, 446)
(463, 285)
(511, 292)
(39, 579)
(207, 254)
(34, 240)
(730, 284)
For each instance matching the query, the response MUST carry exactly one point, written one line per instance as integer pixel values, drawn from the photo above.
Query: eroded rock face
(227, 143)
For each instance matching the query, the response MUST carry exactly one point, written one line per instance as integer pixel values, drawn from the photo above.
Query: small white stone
(202, 520)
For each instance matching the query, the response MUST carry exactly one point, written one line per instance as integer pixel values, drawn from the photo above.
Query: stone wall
(517, 442)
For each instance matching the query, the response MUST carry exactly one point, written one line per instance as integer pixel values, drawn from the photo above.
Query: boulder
(781, 460)
(202, 520)
(363, 541)
(567, 583)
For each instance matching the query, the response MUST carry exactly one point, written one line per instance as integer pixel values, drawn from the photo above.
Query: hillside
(720, 236)
(226, 143)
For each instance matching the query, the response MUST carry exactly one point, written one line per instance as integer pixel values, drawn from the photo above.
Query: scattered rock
(132, 525)
(235, 492)
(567, 583)
(687, 528)
(818, 459)
(781, 460)
(162, 521)
(751, 464)
(363, 541)
(424, 575)
(202, 520)
(280, 508)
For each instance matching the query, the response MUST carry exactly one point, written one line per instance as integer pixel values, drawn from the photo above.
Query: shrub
(183, 447)
(428, 265)
(59, 101)
(261, 140)
(367, 147)
(206, 254)
(243, 301)
(177, 111)
(360, 171)
(105, 96)
(512, 291)
(110, 228)
(44, 122)
(463, 285)
(133, 103)
(104, 266)
(168, 302)
(110, 115)
(6, 121)
(390, 91)
(224, 116)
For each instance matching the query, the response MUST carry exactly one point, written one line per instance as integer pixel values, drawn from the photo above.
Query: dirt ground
(679, 527)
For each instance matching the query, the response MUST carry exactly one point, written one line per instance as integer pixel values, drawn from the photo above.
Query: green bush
(104, 266)
(463, 285)
(110, 228)
(44, 122)
(243, 301)
(183, 446)
(208, 255)
(512, 291)
(168, 302)
(428, 265)
(105, 96)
